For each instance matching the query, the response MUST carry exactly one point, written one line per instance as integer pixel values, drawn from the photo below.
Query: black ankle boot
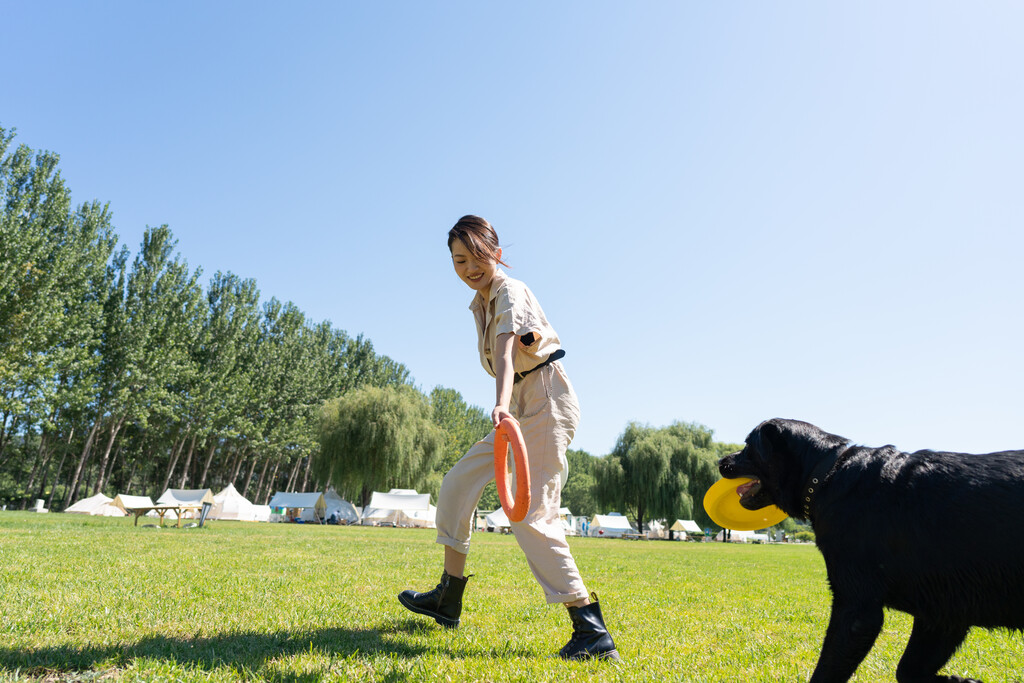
(444, 603)
(590, 638)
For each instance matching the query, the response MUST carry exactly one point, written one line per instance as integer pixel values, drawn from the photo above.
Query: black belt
(547, 361)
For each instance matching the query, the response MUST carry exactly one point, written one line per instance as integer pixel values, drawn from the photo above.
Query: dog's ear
(761, 439)
(770, 434)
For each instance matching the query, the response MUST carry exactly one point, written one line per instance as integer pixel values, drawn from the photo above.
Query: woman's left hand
(499, 413)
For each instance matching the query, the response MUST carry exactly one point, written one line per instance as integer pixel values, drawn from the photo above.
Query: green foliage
(658, 473)
(122, 374)
(578, 491)
(377, 438)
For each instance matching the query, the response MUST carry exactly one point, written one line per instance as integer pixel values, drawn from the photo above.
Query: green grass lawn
(86, 599)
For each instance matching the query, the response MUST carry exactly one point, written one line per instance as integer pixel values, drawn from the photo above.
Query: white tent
(497, 519)
(610, 526)
(687, 526)
(98, 505)
(261, 513)
(190, 497)
(656, 530)
(743, 537)
(307, 507)
(126, 502)
(340, 509)
(186, 497)
(400, 507)
(230, 504)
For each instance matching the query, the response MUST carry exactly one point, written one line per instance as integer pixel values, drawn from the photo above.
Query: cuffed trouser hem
(561, 599)
(460, 546)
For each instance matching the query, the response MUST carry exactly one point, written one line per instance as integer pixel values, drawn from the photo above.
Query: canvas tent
(743, 537)
(305, 507)
(230, 504)
(688, 527)
(342, 511)
(656, 530)
(129, 503)
(610, 526)
(400, 507)
(190, 497)
(98, 505)
(497, 519)
(186, 497)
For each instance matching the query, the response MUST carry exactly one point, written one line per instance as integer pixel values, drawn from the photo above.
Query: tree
(52, 287)
(375, 438)
(578, 490)
(657, 473)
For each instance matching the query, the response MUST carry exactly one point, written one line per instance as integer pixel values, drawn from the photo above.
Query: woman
(519, 348)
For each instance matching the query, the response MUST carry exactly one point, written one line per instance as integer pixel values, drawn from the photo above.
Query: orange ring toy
(507, 434)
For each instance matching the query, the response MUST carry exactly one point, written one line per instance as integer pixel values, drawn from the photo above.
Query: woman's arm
(504, 377)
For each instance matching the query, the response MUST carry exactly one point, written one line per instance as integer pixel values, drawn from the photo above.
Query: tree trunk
(3, 437)
(114, 429)
(305, 478)
(42, 460)
(248, 477)
(73, 486)
(131, 479)
(270, 483)
(44, 472)
(237, 465)
(56, 475)
(206, 465)
(174, 461)
(107, 476)
(293, 476)
(259, 484)
(188, 461)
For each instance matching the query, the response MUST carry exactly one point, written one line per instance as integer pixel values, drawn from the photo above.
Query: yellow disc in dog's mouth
(722, 502)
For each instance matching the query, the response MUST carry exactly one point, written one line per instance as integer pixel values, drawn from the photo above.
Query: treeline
(127, 374)
(130, 375)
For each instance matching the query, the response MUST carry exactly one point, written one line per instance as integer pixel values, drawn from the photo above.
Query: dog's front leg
(852, 629)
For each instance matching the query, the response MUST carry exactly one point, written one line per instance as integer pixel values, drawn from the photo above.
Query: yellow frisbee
(723, 506)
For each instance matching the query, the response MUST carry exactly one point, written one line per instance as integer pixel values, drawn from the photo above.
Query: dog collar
(817, 478)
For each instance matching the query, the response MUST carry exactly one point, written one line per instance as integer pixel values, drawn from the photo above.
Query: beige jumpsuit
(548, 412)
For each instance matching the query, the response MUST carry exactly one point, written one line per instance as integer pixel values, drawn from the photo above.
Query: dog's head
(779, 456)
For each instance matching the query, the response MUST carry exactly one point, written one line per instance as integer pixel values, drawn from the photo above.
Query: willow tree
(657, 473)
(377, 438)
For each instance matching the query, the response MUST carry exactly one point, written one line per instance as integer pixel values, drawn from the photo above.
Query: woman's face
(477, 274)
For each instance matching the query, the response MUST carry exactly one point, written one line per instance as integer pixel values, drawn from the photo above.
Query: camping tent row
(397, 507)
(498, 521)
(312, 507)
(104, 506)
(228, 504)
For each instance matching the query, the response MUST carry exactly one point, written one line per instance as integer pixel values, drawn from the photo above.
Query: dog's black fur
(937, 535)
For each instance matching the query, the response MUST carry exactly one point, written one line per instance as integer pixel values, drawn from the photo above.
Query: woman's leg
(454, 562)
(548, 418)
(458, 498)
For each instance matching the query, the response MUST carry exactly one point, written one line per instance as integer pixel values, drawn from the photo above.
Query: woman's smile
(477, 274)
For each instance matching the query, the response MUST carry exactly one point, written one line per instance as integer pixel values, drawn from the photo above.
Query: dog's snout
(726, 462)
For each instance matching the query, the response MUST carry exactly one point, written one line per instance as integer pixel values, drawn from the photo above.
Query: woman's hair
(478, 236)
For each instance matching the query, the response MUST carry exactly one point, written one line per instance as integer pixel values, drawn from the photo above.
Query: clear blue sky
(729, 211)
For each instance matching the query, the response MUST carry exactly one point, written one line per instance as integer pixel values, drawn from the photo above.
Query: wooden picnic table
(163, 510)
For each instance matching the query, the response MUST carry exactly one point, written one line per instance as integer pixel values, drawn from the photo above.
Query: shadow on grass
(242, 651)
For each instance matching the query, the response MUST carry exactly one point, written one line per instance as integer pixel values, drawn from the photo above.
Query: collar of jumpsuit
(510, 307)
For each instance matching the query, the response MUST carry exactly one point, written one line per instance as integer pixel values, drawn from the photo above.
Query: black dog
(937, 535)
